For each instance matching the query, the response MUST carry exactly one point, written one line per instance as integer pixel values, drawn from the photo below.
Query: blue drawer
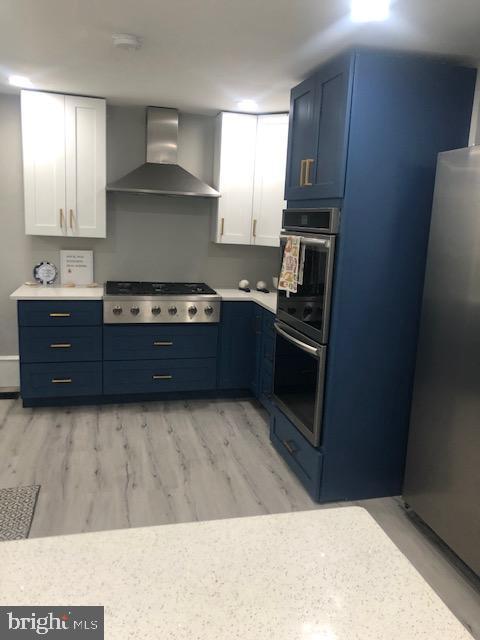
(156, 376)
(60, 313)
(63, 344)
(304, 460)
(61, 380)
(142, 342)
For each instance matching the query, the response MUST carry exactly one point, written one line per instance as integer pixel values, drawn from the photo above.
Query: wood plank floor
(147, 464)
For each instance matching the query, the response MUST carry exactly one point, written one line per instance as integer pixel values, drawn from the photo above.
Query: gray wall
(148, 237)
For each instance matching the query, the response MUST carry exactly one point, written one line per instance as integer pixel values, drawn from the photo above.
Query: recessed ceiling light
(20, 81)
(126, 41)
(369, 10)
(247, 105)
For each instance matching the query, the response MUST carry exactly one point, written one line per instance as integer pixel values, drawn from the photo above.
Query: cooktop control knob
(192, 310)
(209, 310)
(134, 311)
(172, 310)
(156, 311)
(117, 310)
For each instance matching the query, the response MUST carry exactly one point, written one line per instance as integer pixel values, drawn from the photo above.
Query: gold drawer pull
(162, 344)
(60, 346)
(289, 447)
(162, 377)
(61, 380)
(222, 226)
(59, 315)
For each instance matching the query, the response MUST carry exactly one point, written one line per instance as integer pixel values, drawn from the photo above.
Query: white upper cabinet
(64, 158)
(85, 152)
(249, 172)
(235, 165)
(43, 135)
(269, 184)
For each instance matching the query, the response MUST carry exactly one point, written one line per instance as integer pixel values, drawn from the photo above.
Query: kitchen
(174, 384)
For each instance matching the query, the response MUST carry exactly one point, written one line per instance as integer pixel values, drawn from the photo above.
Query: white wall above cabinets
(64, 158)
(249, 172)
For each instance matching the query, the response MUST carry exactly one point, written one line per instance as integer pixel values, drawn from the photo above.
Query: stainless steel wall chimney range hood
(161, 174)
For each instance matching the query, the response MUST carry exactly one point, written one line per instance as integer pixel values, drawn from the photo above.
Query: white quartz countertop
(329, 574)
(25, 292)
(266, 300)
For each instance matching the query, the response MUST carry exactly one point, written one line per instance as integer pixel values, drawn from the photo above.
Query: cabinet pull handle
(72, 218)
(254, 228)
(65, 345)
(302, 172)
(308, 164)
(162, 377)
(222, 226)
(289, 447)
(61, 380)
(59, 315)
(162, 344)
(61, 219)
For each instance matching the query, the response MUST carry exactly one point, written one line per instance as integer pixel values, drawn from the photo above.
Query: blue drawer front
(302, 458)
(64, 344)
(60, 313)
(61, 380)
(149, 376)
(142, 342)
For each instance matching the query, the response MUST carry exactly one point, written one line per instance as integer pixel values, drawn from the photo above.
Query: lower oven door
(299, 380)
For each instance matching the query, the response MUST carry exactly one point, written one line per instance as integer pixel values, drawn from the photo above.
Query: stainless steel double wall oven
(303, 318)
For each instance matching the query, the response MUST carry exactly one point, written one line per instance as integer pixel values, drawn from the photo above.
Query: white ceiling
(205, 55)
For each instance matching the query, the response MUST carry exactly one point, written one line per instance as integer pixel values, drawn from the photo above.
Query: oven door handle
(320, 242)
(313, 351)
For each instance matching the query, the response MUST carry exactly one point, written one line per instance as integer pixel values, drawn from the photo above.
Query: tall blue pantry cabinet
(365, 131)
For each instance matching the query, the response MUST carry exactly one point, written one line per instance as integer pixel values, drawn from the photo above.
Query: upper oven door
(308, 310)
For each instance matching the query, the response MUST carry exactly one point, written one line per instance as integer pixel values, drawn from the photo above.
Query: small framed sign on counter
(76, 268)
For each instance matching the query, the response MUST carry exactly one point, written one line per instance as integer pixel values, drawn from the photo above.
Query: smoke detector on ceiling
(126, 41)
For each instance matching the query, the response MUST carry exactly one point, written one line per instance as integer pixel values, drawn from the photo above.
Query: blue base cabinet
(236, 355)
(67, 354)
(60, 349)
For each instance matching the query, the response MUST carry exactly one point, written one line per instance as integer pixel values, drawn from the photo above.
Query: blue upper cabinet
(318, 132)
(301, 141)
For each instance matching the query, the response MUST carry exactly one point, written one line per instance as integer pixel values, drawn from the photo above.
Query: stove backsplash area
(148, 237)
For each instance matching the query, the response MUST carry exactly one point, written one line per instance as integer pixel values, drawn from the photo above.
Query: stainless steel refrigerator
(442, 479)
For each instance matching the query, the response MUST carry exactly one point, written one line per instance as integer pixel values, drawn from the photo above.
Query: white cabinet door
(85, 133)
(43, 137)
(269, 184)
(235, 164)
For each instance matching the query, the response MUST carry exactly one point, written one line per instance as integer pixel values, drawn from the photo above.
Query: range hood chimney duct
(161, 174)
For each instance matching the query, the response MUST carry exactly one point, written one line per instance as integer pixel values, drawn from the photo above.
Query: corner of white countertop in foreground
(330, 574)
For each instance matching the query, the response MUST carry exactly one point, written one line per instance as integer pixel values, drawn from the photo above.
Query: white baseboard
(9, 371)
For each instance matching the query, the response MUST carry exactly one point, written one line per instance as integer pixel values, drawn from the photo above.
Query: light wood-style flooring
(134, 465)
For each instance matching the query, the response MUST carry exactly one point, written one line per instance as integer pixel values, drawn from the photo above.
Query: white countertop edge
(24, 292)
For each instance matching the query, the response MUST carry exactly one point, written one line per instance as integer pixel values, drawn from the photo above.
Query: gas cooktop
(159, 302)
(117, 288)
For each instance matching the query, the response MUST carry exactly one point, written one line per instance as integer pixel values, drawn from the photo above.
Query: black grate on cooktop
(118, 288)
